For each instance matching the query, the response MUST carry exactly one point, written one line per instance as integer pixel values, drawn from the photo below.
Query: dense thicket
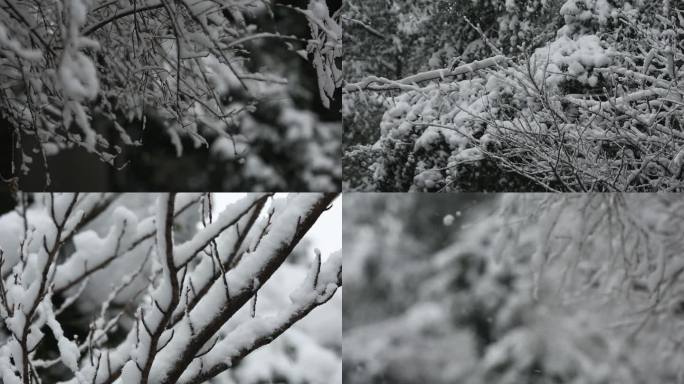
(573, 95)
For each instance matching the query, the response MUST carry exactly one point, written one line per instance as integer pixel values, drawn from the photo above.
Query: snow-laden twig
(63, 69)
(259, 331)
(288, 227)
(173, 311)
(373, 83)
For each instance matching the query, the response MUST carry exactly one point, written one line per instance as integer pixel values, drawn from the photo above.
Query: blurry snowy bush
(581, 289)
(193, 66)
(389, 238)
(138, 288)
(574, 95)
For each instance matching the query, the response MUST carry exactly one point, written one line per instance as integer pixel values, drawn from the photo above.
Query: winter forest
(513, 289)
(513, 95)
(237, 95)
(170, 288)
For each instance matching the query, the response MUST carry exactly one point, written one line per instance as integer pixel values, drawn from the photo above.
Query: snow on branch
(374, 83)
(68, 63)
(257, 332)
(589, 102)
(141, 263)
(229, 217)
(290, 223)
(325, 48)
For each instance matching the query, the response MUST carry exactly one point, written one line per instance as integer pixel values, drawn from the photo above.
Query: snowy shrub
(296, 152)
(592, 106)
(138, 288)
(594, 259)
(544, 288)
(405, 237)
(191, 65)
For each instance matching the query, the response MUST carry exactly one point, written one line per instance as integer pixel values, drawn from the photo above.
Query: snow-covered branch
(72, 68)
(290, 223)
(373, 83)
(174, 285)
(581, 96)
(319, 287)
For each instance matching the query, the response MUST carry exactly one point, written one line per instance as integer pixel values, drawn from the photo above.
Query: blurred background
(389, 239)
(512, 289)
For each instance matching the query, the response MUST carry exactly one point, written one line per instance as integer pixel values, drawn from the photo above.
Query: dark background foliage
(154, 166)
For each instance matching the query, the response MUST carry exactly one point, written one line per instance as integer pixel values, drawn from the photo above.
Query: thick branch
(51, 255)
(172, 277)
(240, 298)
(267, 336)
(373, 83)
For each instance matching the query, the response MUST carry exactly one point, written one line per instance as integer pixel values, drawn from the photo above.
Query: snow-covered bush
(160, 288)
(192, 65)
(602, 286)
(388, 238)
(296, 152)
(592, 106)
(545, 288)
